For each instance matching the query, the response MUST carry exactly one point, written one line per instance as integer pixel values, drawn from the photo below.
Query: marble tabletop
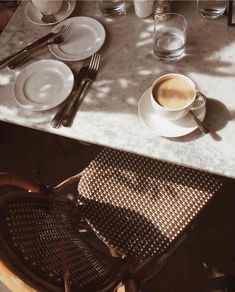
(109, 114)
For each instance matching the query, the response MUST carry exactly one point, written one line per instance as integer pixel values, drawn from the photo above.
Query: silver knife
(66, 107)
(30, 47)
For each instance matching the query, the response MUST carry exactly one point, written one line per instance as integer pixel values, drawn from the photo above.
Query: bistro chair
(41, 242)
(139, 207)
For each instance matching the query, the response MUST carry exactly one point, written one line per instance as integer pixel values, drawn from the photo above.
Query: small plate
(163, 127)
(43, 85)
(87, 37)
(35, 16)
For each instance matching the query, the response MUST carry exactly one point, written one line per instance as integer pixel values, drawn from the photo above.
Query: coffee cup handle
(199, 101)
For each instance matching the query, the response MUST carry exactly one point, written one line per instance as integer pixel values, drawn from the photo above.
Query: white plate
(86, 38)
(43, 85)
(163, 127)
(35, 16)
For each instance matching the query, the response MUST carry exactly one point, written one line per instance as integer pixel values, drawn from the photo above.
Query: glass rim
(175, 14)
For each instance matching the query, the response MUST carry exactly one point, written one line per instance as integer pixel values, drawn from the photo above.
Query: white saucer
(86, 38)
(163, 127)
(35, 16)
(43, 85)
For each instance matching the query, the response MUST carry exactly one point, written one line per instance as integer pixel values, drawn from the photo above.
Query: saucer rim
(21, 84)
(146, 95)
(96, 48)
(73, 5)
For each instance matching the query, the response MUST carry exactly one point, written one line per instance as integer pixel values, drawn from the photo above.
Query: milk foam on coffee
(174, 93)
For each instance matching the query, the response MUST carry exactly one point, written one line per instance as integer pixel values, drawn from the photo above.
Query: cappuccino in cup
(173, 96)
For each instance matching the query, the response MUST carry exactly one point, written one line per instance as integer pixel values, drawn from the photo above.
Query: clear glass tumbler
(112, 7)
(170, 31)
(211, 9)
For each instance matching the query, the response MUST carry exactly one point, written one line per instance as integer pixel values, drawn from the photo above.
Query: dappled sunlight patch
(215, 273)
(5, 79)
(103, 88)
(21, 116)
(132, 100)
(145, 72)
(7, 111)
(125, 83)
(104, 91)
(205, 266)
(211, 271)
(144, 35)
(21, 43)
(148, 20)
(144, 42)
(150, 29)
(103, 82)
(145, 38)
(109, 19)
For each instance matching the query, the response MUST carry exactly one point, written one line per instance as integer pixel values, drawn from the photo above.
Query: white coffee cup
(48, 7)
(180, 94)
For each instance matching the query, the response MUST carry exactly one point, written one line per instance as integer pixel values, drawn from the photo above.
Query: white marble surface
(108, 116)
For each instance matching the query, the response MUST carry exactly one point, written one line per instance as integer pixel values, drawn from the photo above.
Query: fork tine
(91, 64)
(94, 62)
(68, 28)
(98, 61)
(67, 31)
(64, 30)
(96, 65)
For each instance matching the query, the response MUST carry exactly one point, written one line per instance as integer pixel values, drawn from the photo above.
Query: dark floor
(198, 265)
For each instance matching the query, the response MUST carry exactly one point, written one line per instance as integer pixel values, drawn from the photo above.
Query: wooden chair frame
(142, 271)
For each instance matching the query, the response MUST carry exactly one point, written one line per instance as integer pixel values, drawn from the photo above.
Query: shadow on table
(217, 117)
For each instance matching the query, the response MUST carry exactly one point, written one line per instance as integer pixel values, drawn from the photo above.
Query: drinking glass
(112, 7)
(169, 38)
(211, 9)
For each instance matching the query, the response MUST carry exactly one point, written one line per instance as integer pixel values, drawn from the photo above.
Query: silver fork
(88, 79)
(62, 37)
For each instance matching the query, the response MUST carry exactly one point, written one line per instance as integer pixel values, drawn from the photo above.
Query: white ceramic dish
(43, 85)
(87, 37)
(163, 127)
(36, 17)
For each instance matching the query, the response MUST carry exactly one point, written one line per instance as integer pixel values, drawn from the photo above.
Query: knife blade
(66, 107)
(30, 47)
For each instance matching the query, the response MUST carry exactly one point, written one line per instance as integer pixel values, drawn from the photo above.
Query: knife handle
(4, 62)
(30, 47)
(64, 110)
(19, 60)
(57, 119)
(70, 115)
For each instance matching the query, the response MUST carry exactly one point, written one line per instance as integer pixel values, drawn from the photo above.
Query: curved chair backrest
(41, 242)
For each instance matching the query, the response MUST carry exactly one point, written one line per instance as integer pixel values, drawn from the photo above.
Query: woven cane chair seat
(139, 206)
(39, 241)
